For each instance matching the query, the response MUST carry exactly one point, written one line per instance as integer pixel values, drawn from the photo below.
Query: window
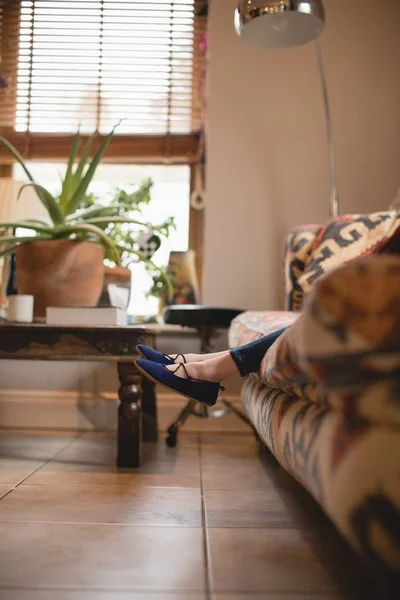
(92, 63)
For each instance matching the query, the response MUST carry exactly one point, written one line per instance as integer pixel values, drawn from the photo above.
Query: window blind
(93, 63)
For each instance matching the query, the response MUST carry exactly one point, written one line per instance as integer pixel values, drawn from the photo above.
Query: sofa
(326, 401)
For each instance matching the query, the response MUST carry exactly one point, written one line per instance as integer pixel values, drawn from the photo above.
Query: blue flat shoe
(158, 357)
(194, 389)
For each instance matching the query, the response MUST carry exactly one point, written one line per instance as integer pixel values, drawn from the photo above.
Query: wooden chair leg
(129, 416)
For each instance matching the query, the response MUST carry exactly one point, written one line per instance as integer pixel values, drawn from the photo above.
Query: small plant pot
(116, 287)
(117, 275)
(60, 273)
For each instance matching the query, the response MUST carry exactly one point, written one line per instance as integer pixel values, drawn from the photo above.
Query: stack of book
(99, 315)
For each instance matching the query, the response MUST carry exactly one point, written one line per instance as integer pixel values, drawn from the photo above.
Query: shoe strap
(180, 365)
(174, 359)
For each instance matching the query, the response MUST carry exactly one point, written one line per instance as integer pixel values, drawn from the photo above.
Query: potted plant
(61, 262)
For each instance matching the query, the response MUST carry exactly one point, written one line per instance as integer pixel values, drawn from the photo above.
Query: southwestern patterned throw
(299, 246)
(327, 400)
(313, 250)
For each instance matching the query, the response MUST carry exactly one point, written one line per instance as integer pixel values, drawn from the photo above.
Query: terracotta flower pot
(60, 273)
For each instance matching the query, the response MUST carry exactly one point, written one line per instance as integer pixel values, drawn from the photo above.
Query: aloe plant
(64, 222)
(69, 215)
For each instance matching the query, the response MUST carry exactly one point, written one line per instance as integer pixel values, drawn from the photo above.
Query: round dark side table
(207, 320)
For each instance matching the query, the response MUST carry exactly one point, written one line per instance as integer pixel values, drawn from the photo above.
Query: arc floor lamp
(286, 23)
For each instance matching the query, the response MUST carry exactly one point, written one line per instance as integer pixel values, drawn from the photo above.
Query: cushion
(345, 238)
(299, 245)
(250, 326)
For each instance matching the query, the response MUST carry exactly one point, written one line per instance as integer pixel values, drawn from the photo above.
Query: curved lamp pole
(286, 23)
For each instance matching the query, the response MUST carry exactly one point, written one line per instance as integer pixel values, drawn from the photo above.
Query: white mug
(20, 308)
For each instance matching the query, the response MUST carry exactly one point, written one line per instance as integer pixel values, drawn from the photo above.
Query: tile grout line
(43, 464)
(89, 524)
(204, 525)
(113, 590)
(140, 525)
(111, 485)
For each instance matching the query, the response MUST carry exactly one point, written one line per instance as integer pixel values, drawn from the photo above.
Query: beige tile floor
(214, 519)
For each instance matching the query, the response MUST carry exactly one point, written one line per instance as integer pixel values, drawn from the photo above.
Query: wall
(267, 153)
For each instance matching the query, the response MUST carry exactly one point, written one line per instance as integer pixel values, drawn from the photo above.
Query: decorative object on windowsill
(283, 24)
(62, 264)
(199, 184)
(10, 210)
(11, 288)
(197, 200)
(182, 272)
(149, 242)
(20, 308)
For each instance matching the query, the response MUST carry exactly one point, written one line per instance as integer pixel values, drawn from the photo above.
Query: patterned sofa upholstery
(326, 401)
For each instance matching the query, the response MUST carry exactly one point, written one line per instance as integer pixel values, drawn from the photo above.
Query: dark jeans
(248, 357)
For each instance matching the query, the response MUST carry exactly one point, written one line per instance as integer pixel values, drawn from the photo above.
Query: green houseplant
(130, 236)
(61, 261)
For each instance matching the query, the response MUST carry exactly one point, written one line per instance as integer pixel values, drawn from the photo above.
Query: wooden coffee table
(137, 411)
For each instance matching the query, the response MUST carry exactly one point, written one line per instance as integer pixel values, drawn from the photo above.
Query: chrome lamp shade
(283, 24)
(279, 23)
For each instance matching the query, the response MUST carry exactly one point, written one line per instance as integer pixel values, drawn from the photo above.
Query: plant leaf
(21, 161)
(87, 228)
(84, 157)
(16, 155)
(21, 239)
(48, 201)
(76, 177)
(66, 184)
(27, 225)
(103, 220)
(86, 180)
(93, 212)
(40, 222)
(8, 250)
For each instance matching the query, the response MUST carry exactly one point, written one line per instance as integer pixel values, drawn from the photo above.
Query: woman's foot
(170, 359)
(215, 369)
(202, 391)
(191, 358)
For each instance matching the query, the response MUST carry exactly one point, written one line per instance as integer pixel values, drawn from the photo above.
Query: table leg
(129, 418)
(149, 411)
